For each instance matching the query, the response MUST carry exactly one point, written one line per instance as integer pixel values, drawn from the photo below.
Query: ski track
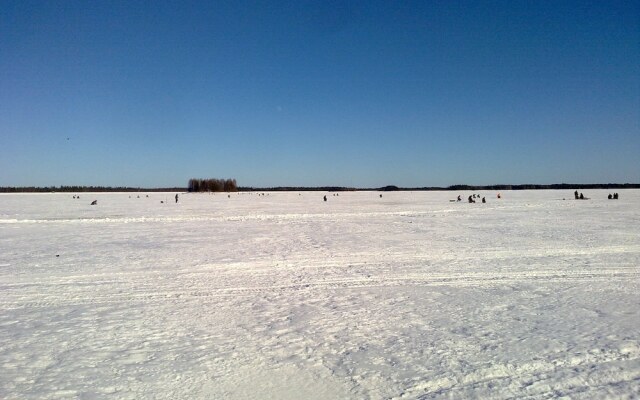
(280, 296)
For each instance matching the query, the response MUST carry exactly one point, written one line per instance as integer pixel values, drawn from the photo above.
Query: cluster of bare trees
(212, 185)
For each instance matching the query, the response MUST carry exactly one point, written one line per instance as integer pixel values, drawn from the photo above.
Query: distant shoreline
(390, 188)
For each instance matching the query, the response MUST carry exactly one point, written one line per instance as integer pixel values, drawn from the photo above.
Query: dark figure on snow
(380, 196)
(471, 200)
(94, 203)
(610, 196)
(325, 198)
(581, 196)
(473, 195)
(615, 196)
(176, 198)
(483, 200)
(576, 195)
(499, 195)
(459, 199)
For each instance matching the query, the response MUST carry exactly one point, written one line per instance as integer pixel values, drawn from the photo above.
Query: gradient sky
(310, 93)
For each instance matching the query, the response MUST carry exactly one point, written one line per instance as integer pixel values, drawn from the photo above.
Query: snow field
(283, 295)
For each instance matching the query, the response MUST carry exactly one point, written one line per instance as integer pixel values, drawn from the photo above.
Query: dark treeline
(390, 188)
(212, 185)
(298, 189)
(229, 185)
(46, 189)
(557, 186)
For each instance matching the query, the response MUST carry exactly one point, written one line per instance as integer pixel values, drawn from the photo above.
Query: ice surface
(284, 295)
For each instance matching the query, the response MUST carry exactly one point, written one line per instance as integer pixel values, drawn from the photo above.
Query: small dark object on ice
(483, 200)
(471, 200)
(325, 198)
(57, 255)
(94, 203)
(161, 202)
(380, 196)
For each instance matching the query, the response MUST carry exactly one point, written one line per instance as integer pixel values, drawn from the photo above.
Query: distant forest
(229, 185)
(48, 189)
(212, 185)
(391, 188)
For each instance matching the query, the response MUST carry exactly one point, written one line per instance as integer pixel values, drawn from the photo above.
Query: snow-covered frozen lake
(285, 296)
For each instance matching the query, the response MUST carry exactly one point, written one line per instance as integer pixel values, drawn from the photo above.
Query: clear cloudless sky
(310, 93)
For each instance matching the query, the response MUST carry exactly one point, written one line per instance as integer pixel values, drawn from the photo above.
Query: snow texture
(286, 296)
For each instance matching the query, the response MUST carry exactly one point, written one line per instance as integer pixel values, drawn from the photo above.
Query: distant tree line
(557, 186)
(229, 185)
(76, 189)
(297, 189)
(212, 185)
(390, 188)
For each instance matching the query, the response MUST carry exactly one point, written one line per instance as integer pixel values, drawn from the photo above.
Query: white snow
(285, 296)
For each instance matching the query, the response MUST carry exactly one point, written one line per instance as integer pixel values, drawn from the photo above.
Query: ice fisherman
(176, 198)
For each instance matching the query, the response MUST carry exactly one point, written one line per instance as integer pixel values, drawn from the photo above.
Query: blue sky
(310, 93)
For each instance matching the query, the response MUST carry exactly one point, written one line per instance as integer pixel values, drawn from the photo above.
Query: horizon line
(525, 186)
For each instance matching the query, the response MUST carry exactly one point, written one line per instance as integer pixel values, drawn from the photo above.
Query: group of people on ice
(472, 198)
(579, 196)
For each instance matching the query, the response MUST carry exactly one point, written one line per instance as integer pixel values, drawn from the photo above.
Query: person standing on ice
(176, 198)
(471, 200)
(576, 195)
